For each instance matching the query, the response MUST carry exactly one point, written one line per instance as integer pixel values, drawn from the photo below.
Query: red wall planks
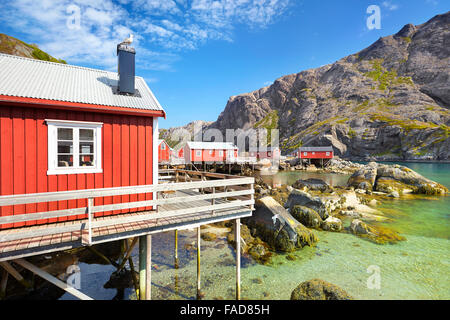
(127, 159)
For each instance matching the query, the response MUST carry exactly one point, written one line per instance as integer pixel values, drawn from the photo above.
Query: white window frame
(163, 146)
(327, 154)
(220, 153)
(53, 126)
(198, 153)
(305, 154)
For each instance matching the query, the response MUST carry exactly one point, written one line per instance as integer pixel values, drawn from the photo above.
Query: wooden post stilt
(238, 258)
(15, 274)
(3, 284)
(148, 274)
(199, 295)
(176, 249)
(142, 266)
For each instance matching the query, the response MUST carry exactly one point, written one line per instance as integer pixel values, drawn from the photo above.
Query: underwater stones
(208, 236)
(318, 289)
(377, 234)
(312, 184)
(332, 224)
(302, 198)
(307, 216)
(246, 238)
(274, 225)
(260, 253)
(358, 227)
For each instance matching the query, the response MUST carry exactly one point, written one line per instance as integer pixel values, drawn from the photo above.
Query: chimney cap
(124, 47)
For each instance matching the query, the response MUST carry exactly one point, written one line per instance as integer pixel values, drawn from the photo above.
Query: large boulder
(312, 184)
(403, 180)
(301, 198)
(364, 178)
(307, 216)
(318, 289)
(274, 225)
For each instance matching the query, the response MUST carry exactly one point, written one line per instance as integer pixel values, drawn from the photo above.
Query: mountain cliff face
(13, 46)
(389, 101)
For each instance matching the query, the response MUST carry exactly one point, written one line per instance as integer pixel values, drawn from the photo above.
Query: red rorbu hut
(314, 154)
(210, 152)
(66, 127)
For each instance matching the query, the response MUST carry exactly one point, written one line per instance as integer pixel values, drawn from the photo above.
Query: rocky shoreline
(286, 217)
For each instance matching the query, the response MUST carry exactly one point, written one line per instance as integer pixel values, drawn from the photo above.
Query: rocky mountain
(13, 46)
(388, 101)
(176, 135)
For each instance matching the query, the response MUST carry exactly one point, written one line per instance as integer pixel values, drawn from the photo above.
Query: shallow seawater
(417, 268)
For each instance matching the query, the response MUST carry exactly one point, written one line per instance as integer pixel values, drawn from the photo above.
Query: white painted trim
(73, 171)
(73, 123)
(52, 168)
(155, 154)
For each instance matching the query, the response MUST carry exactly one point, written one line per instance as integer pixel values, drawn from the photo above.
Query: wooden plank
(43, 232)
(52, 279)
(42, 215)
(234, 204)
(95, 193)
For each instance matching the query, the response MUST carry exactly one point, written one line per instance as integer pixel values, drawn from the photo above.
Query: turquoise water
(414, 269)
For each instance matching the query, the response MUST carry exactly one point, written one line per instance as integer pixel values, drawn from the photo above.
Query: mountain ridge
(389, 101)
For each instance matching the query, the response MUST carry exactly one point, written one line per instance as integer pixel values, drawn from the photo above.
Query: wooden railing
(237, 191)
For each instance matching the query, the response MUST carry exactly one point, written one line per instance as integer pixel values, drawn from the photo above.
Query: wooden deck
(187, 206)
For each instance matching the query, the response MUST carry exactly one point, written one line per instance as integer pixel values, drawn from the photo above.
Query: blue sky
(195, 54)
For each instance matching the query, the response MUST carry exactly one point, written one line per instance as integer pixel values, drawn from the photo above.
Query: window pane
(65, 147)
(86, 134)
(86, 147)
(87, 160)
(65, 161)
(65, 134)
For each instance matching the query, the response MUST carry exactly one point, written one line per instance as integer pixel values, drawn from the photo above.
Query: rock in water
(312, 184)
(363, 178)
(332, 224)
(307, 216)
(301, 198)
(274, 225)
(402, 179)
(377, 234)
(317, 289)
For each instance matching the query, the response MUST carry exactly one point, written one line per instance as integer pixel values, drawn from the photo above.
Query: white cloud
(163, 26)
(390, 6)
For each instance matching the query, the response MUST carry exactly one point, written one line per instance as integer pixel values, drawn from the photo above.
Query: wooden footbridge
(182, 200)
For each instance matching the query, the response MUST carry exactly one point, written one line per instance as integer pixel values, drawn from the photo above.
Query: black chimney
(126, 56)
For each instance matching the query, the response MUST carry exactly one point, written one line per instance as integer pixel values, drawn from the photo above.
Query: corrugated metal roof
(200, 145)
(327, 148)
(30, 78)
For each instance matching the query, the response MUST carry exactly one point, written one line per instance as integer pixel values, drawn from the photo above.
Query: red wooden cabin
(209, 152)
(315, 152)
(164, 152)
(269, 153)
(66, 127)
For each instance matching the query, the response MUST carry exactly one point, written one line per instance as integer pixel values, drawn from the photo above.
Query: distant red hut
(210, 152)
(66, 128)
(164, 152)
(270, 153)
(315, 152)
